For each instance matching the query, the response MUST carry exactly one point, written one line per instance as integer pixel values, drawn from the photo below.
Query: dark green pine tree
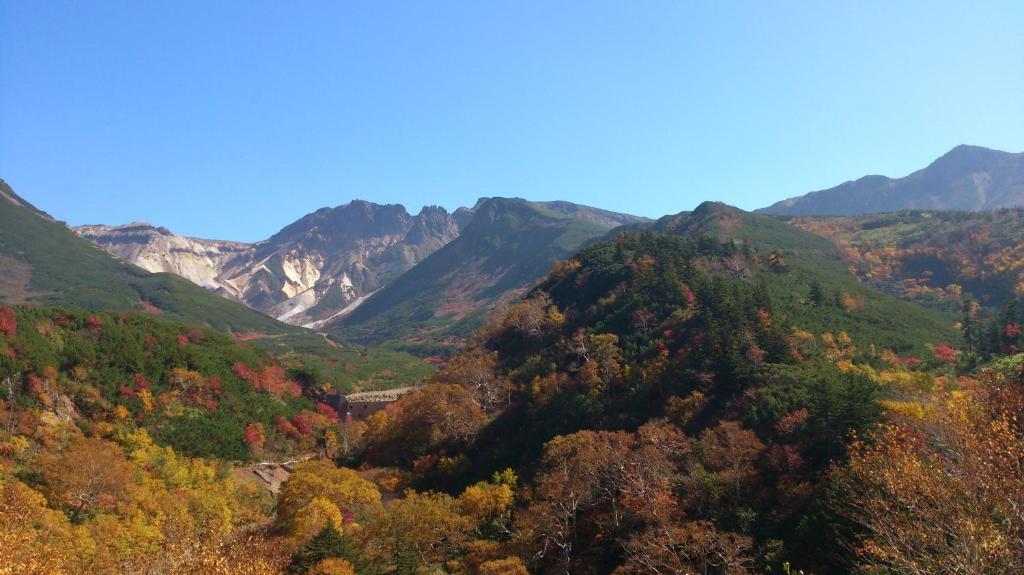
(761, 298)
(817, 294)
(729, 249)
(328, 543)
(992, 341)
(1010, 312)
(969, 328)
(405, 559)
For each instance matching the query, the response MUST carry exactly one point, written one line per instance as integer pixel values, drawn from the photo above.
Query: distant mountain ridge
(967, 178)
(320, 267)
(597, 216)
(508, 245)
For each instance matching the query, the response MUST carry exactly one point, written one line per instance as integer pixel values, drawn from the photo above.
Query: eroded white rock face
(322, 265)
(302, 273)
(158, 250)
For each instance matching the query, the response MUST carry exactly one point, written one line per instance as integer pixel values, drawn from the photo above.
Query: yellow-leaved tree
(943, 492)
(331, 487)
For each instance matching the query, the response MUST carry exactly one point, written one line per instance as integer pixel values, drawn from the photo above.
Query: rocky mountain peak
(432, 222)
(964, 159)
(311, 269)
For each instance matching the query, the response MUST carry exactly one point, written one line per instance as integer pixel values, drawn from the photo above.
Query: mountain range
(504, 249)
(323, 266)
(368, 273)
(967, 178)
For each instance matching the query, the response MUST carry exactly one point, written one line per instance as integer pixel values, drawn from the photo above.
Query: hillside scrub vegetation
(194, 389)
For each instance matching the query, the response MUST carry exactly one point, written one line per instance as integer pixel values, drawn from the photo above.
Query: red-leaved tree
(8, 323)
(944, 352)
(255, 436)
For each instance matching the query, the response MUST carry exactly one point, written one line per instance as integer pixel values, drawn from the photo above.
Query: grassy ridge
(67, 270)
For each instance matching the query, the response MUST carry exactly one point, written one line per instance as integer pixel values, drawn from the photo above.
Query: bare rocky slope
(157, 250)
(314, 268)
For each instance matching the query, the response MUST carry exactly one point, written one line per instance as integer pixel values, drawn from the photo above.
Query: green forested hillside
(967, 265)
(675, 316)
(346, 367)
(720, 365)
(811, 279)
(192, 388)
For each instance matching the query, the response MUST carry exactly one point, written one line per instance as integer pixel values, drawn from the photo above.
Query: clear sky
(232, 119)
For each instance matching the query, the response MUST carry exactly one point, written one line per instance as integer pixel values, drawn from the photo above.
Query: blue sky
(232, 119)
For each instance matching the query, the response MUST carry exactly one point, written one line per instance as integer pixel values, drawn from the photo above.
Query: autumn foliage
(255, 436)
(941, 492)
(130, 370)
(104, 508)
(944, 352)
(270, 379)
(8, 322)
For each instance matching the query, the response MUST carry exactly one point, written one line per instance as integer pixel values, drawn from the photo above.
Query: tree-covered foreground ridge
(726, 401)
